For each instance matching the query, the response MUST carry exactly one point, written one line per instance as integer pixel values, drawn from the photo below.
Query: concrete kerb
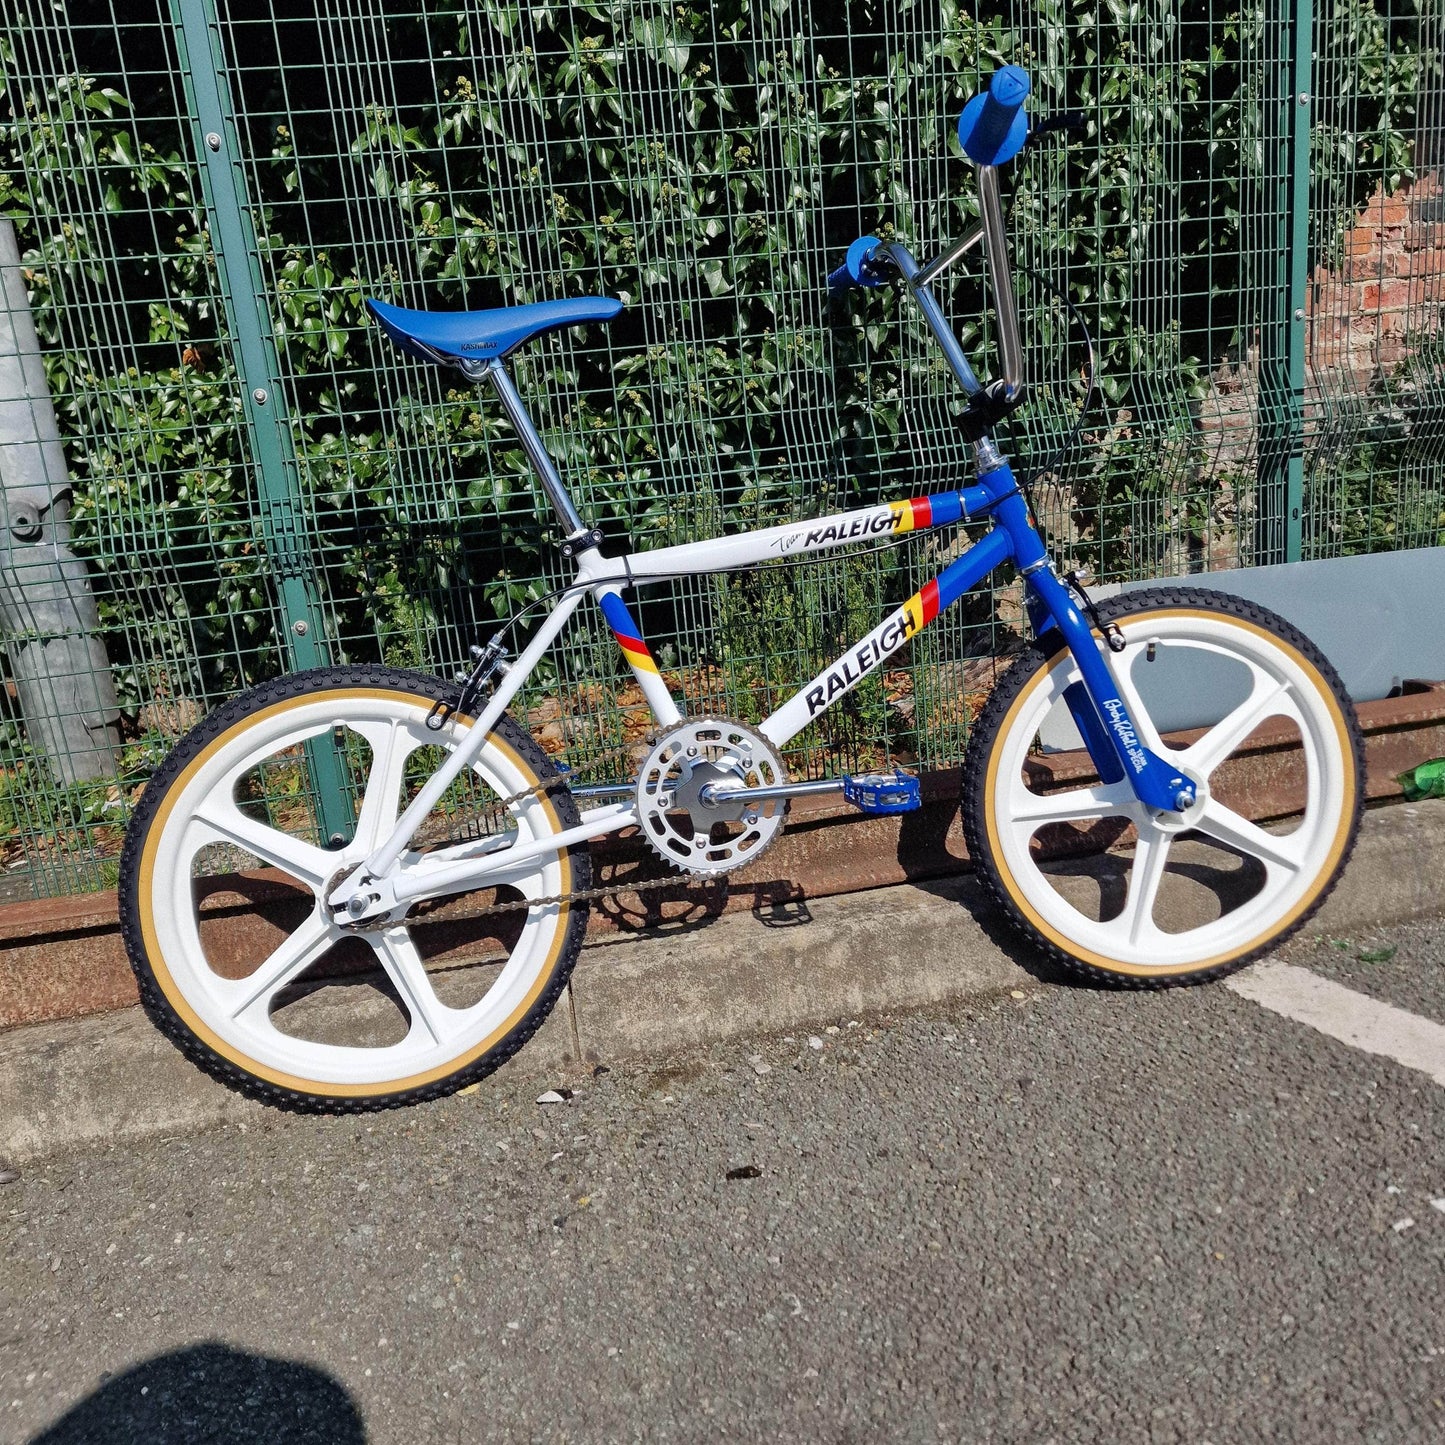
(113, 1077)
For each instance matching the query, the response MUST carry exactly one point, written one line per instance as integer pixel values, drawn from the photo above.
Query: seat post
(518, 415)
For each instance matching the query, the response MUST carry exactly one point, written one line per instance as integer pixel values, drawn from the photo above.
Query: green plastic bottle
(1424, 781)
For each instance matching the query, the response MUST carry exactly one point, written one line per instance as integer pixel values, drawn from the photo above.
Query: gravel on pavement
(1056, 1215)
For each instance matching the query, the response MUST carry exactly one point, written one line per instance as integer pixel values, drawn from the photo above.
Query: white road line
(1353, 1018)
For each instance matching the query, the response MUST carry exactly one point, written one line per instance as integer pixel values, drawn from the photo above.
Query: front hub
(1180, 820)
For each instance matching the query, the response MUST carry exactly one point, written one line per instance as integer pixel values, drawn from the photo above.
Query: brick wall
(1386, 294)
(1366, 313)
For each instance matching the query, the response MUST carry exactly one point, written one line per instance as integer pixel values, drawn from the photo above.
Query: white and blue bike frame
(393, 877)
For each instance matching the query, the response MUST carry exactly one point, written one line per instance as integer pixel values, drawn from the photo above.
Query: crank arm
(715, 794)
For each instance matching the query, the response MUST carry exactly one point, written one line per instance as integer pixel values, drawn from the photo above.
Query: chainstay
(581, 895)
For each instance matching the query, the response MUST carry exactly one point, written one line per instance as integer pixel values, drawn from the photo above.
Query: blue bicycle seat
(484, 335)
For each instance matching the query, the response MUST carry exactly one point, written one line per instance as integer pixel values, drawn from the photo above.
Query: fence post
(1283, 334)
(237, 250)
(1430, 118)
(62, 674)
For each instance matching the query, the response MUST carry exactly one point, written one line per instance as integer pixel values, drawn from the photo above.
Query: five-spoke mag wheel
(1244, 706)
(231, 855)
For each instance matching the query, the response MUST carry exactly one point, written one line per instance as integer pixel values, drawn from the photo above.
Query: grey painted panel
(1379, 619)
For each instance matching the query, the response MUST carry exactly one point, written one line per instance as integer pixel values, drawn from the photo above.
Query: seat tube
(537, 452)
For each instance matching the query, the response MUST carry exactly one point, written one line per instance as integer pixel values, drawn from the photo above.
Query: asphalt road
(1072, 1216)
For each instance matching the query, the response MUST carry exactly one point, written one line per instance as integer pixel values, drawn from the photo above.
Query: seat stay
(382, 857)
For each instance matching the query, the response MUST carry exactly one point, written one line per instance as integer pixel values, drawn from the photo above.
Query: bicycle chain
(581, 895)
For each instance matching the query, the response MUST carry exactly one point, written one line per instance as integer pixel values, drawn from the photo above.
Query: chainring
(687, 831)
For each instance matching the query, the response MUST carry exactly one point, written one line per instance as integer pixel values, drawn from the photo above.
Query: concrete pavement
(1069, 1216)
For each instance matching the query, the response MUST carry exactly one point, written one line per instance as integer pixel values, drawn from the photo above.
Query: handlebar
(864, 265)
(992, 129)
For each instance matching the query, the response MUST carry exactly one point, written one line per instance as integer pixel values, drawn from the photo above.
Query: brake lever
(1070, 120)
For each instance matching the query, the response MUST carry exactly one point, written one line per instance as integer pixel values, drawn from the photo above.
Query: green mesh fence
(1252, 227)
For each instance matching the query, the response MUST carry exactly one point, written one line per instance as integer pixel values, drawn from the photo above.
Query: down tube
(885, 639)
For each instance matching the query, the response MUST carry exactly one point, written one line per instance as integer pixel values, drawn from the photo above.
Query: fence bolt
(1304, 97)
(25, 524)
(213, 140)
(259, 396)
(300, 629)
(1299, 314)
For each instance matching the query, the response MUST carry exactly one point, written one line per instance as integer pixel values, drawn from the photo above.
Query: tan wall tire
(190, 806)
(1113, 891)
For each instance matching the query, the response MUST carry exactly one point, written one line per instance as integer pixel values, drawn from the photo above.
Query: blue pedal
(883, 792)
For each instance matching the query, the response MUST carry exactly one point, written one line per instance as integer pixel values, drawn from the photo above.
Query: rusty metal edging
(63, 957)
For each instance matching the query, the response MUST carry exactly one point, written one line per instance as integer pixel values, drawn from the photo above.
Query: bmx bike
(712, 792)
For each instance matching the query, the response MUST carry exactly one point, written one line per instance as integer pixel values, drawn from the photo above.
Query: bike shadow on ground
(650, 900)
(930, 852)
(213, 1394)
(965, 890)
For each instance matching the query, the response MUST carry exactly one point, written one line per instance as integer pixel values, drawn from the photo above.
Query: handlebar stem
(995, 239)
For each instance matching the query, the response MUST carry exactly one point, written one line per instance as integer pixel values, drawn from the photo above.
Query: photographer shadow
(213, 1394)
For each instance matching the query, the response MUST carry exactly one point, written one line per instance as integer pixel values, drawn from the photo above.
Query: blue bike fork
(1100, 714)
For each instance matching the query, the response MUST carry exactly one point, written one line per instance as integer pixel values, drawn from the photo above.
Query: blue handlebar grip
(855, 270)
(859, 255)
(993, 126)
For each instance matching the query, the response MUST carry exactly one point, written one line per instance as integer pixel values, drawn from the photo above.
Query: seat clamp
(576, 546)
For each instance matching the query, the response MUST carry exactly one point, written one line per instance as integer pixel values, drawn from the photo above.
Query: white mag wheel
(1250, 711)
(224, 876)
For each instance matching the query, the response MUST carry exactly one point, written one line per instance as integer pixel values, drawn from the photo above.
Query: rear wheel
(225, 873)
(1246, 707)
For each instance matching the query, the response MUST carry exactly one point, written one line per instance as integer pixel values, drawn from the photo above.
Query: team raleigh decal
(917, 512)
(882, 642)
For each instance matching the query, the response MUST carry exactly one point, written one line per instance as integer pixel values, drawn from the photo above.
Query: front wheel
(230, 856)
(1247, 708)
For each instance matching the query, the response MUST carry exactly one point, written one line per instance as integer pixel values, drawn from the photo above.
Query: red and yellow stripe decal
(912, 515)
(625, 630)
(635, 650)
(922, 607)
